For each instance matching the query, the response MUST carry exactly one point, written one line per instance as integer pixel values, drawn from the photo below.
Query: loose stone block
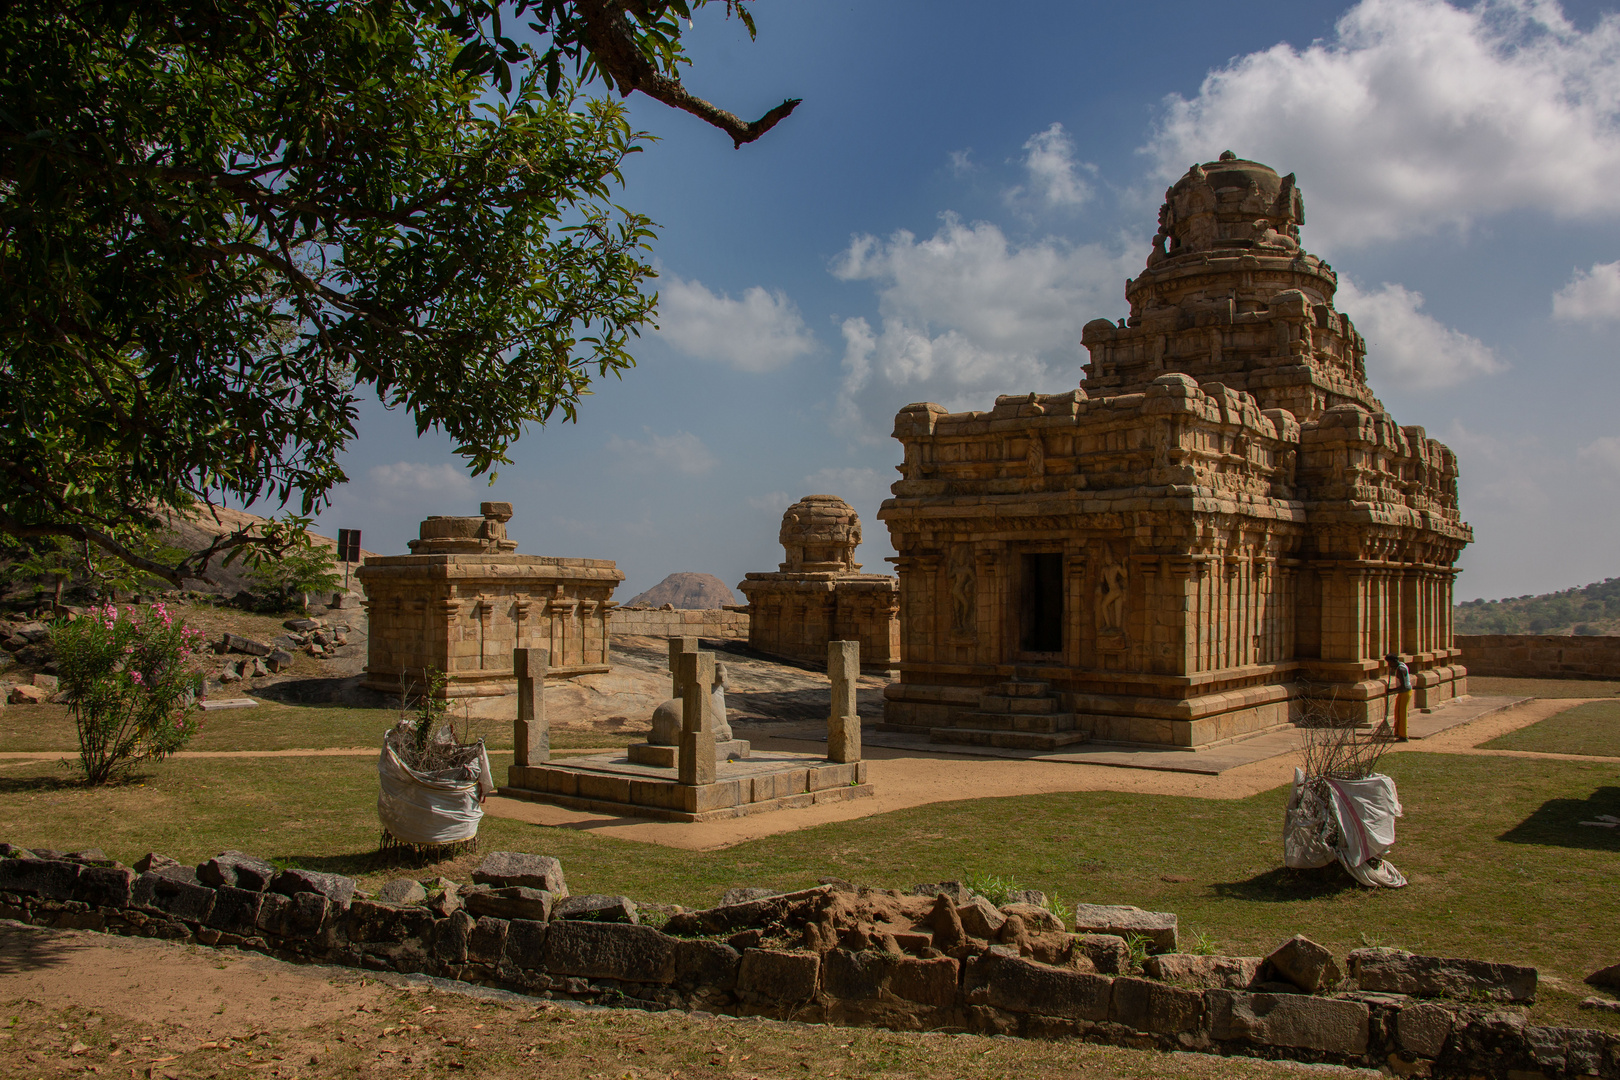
(1123, 920)
(1206, 972)
(236, 869)
(1306, 964)
(597, 908)
(337, 889)
(513, 902)
(1394, 971)
(502, 868)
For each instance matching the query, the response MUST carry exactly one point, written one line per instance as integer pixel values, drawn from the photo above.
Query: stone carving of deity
(964, 589)
(1111, 598)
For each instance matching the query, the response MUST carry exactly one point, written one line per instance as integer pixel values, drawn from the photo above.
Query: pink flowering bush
(132, 680)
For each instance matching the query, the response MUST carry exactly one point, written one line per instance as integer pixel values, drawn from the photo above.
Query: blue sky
(961, 191)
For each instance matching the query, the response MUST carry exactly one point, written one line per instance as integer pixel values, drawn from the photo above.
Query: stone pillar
(531, 736)
(677, 646)
(695, 670)
(844, 720)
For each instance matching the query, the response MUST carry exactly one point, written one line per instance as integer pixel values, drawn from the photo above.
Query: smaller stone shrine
(662, 747)
(698, 776)
(464, 599)
(819, 594)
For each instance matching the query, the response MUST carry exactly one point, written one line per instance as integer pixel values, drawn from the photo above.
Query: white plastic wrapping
(432, 808)
(1350, 820)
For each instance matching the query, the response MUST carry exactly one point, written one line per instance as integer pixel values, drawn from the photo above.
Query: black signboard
(348, 545)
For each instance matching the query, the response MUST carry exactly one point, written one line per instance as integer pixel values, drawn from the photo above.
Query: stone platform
(613, 784)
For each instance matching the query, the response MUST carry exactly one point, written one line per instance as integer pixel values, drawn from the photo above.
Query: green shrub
(131, 681)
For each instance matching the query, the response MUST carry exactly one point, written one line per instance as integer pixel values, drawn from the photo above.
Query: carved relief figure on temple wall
(964, 589)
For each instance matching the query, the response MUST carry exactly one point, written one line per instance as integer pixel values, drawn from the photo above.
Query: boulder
(337, 889)
(1207, 972)
(300, 624)
(32, 633)
(1122, 920)
(1394, 971)
(402, 891)
(1305, 964)
(279, 660)
(1606, 978)
(48, 683)
(1108, 953)
(511, 902)
(237, 643)
(595, 907)
(505, 868)
(237, 870)
(26, 695)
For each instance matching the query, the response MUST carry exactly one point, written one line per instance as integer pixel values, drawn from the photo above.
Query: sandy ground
(905, 779)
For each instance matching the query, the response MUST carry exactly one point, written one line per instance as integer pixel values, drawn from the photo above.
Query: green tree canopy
(221, 221)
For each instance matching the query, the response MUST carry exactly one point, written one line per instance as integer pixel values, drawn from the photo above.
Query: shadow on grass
(1557, 823)
(1283, 885)
(68, 779)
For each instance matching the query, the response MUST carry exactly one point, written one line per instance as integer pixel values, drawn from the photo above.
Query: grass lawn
(1500, 869)
(1484, 685)
(272, 726)
(1592, 728)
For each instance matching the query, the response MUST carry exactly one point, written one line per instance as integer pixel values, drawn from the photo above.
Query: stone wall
(965, 965)
(1541, 656)
(725, 623)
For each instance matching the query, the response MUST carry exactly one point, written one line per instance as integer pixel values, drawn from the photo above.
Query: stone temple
(1220, 523)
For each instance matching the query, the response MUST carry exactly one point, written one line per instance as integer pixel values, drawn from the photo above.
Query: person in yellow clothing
(1402, 689)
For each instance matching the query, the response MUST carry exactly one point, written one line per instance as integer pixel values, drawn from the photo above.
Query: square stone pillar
(677, 646)
(844, 720)
(695, 673)
(531, 735)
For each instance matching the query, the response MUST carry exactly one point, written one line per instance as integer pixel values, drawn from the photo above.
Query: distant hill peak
(1590, 609)
(703, 592)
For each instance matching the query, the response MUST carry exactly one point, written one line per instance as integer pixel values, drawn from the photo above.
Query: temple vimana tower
(1220, 523)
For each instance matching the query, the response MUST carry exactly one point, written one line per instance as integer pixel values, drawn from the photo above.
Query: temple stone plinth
(1221, 522)
(818, 593)
(464, 599)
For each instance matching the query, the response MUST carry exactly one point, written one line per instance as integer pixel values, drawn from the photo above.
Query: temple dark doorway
(1040, 609)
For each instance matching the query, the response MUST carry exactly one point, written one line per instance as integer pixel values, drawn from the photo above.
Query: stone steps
(1015, 740)
(1001, 703)
(993, 721)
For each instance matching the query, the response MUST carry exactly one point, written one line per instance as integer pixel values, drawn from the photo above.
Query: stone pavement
(1208, 760)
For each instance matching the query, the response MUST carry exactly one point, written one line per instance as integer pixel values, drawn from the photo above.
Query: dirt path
(904, 779)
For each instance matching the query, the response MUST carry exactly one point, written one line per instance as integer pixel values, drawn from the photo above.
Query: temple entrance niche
(1039, 617)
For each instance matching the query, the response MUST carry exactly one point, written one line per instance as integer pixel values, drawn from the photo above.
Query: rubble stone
(1307, 965)
(502, 868)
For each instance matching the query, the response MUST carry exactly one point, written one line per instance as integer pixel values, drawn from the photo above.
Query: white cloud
(1407, 348)
(966, 315)
(772, 502)
(851, 483)
(962, 161)
(1591, 296)
(1417, 115)
(760, 332)
(1050, 162)
(413, 478)
(1603, 454)
(681, 452)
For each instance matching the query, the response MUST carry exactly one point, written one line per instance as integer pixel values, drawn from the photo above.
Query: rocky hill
(1590, 610)
(686, 590)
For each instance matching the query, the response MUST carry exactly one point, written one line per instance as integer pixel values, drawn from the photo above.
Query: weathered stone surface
(609, 951)
(237, 870)
(488, 941)
(444, 897)
(505, 868)
(402, 891)
(712, 965)
(1608, 978)
(105, 886)
(452, 936)
(744, 893)
(1122, 920)
(1307, 965)
(980, 918)
(54, 879)
(1397, 972)
(779, 975)
(26, 695)
(1037, 919)
(237, 643)
(1004, 980)
(372, 922)
(152, 862)
(181, 899)
(1108, 953)
(338, 890)
(948, 933)
(48, 683)
(1205, 972)
(236, 911)
(525, 944)
(749, 913)
(1147, 1005)
(1423, 1029)
(597, 908)
(1313, 1023)
(513, 902)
